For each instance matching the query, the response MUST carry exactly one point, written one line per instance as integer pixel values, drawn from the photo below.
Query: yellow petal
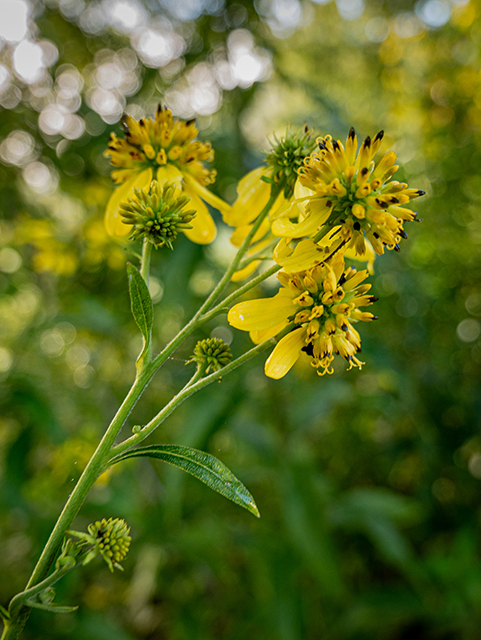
(204, 230)
(286, 209)
(262, 313)
(309, 226)
(113, 221)
(305, 255)
(253, 195)
(259, 336)
(246, 271)
(286, 354)
(207, 195)
(170, 173)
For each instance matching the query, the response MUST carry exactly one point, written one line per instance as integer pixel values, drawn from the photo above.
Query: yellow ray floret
(320, 304)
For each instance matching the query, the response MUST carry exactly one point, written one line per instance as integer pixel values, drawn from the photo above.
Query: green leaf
(142, 308)
(54, 608)
(203, 466)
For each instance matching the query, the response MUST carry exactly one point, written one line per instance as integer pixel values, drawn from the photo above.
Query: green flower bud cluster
(108, 538)
(211, 353)
(287, 155)
(157, 214)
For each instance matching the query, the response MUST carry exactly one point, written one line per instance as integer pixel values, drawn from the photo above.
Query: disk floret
(355, 195)
(157, 214)
(287, 156)
(163, 140)
(211, 353)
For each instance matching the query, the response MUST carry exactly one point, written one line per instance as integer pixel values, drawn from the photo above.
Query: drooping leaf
(203, 466)
(142, 308)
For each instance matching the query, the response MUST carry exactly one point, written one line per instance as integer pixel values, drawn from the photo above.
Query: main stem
(97, 462)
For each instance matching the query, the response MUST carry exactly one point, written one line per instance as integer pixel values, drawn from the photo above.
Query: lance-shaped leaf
(203, 466)
(141, 301)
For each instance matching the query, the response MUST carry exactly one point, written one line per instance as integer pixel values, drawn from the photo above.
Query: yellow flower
(349, 199)
(164, 149)
(321, 304)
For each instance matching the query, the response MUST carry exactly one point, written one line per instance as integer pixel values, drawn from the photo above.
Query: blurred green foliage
(368, 482)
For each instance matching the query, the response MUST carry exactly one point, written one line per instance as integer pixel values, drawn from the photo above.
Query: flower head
(321, 304)
(350, 199)
(108, 538)
(211, 353)
(155, 143)
(166, 149)
(157, 214)
(287, 156)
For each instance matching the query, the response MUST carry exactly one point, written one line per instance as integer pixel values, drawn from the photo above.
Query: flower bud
(211, 353)
(157, 214)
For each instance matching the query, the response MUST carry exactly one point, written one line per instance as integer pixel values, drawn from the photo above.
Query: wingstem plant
(352, 211)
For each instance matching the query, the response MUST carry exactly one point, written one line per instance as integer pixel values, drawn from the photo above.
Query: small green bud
(211, 353)
(287, 156)
(157, 214)
(108, 538)
(137, 428)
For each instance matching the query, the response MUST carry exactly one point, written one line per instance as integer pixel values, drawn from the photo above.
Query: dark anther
(397, 248)
(421, 193)
(376, 235)
(357, 226)
(351, 133)
(367, 141)
(364, 171)
(189, 122)
(373, 298)
(335, 145)
(379, 136)
(403, 234)
(328, 203)
(394, 200)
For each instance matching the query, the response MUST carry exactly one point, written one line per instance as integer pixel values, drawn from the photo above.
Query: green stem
(198, 320)
(97, 463)
(90, 474)
(18, 601)
(221, 307)
(276, 190)
(262, 254)
(189, 389)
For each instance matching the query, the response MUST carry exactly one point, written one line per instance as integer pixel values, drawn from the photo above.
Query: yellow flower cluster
(342, 205)
(320, 304)
(349, 202)
(164, 149)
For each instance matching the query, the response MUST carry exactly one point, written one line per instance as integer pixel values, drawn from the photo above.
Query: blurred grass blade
(142, 308)
(203, 466)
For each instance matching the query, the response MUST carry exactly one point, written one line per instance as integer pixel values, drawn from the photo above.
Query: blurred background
(368, 482)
